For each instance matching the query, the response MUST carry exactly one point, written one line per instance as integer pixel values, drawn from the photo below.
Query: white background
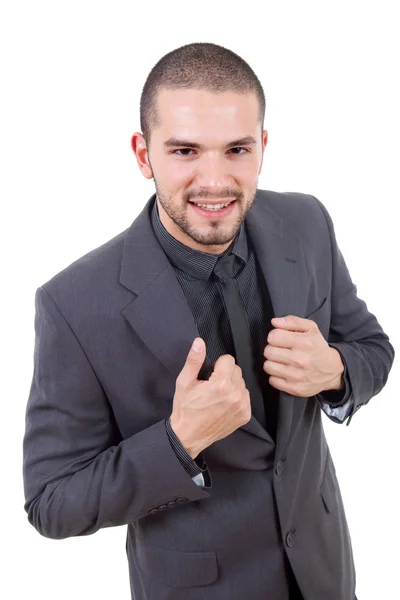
(71, 78)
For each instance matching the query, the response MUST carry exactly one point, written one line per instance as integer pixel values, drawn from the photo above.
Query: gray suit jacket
(113, 331)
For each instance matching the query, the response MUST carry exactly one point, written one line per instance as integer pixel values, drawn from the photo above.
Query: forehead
(192, 110)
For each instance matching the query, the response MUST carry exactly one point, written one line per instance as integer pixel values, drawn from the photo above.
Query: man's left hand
(299, 359)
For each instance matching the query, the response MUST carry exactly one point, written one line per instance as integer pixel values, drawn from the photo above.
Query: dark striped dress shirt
(194, 271)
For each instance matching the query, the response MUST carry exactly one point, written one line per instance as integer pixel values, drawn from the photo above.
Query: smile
(214, 210)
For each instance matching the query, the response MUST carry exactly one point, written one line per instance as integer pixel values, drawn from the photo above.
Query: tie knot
(224, 267)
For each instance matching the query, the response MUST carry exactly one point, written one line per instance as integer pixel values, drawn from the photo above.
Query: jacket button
(279, 467)
(162, 507)
(152, 511)
(290, 539)
(180, 500)
(172, 503)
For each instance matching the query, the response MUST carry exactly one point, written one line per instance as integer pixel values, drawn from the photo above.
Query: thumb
(197, 350)
(194, 360)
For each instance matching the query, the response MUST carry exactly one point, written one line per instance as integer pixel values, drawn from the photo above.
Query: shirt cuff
(199, 480)
(338, 414)
(193, 467)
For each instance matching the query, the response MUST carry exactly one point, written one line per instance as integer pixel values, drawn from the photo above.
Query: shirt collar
(197, 263)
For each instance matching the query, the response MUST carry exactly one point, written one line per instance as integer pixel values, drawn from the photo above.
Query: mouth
(213, 209)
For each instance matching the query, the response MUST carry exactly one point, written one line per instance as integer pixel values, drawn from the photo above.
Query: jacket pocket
(328, 485)
(321, 317)
(177, 569)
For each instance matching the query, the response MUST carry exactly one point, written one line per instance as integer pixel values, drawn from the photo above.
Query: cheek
(176, 176)
(246, 176)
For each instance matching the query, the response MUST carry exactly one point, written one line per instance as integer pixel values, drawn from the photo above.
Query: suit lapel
(161, 316)
(281, 260)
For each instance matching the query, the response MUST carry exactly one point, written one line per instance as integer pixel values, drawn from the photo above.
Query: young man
(215, 459)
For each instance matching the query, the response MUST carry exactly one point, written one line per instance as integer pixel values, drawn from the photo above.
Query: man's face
(208, 147)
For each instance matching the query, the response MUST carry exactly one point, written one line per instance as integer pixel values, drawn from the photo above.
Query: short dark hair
(200, 65)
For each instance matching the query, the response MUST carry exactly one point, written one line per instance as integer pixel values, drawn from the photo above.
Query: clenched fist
(206, 411)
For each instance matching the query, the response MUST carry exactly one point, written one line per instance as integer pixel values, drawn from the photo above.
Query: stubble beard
(217, 233)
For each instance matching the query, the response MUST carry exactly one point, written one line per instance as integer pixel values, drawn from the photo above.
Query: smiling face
(207, 148)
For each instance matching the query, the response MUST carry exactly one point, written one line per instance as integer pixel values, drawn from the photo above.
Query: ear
(264, 143)
(140, 149)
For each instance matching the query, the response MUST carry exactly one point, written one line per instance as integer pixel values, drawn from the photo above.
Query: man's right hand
(206, 411)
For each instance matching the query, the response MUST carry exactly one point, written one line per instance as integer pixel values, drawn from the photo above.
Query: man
(217, 459)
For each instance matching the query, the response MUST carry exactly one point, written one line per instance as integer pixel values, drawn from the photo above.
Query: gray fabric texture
(113, 330)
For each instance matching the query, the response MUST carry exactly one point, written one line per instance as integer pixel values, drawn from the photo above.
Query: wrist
(338, 382)
(192, 449)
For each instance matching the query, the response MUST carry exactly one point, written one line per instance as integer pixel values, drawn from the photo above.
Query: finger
(224, 366)
(293, 323)
(291, 374)
(280, 338)
(276, 369)
(237, 378)
(279, 383)
(278, 354)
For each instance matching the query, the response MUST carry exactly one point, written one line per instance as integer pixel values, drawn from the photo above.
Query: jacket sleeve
(79, 476)
(357, 335)
(337, 404)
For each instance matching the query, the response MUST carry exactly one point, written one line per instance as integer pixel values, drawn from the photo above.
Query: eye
(239, 148)
(184, 150)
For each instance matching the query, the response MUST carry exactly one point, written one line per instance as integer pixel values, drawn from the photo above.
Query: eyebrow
(175, 142)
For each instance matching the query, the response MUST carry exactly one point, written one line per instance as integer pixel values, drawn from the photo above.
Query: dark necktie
(239, 323)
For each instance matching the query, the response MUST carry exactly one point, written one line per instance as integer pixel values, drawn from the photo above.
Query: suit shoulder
(296, 203)
(298, 211)
(99, 264)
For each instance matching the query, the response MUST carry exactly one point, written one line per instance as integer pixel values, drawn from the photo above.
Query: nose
(213, 174)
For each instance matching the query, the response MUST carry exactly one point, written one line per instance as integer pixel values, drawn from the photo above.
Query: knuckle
(238, 395)
(299, 378)
(235, 397)
(299, 363)
(223, 385)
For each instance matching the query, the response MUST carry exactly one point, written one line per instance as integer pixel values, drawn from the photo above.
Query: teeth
(212, 207)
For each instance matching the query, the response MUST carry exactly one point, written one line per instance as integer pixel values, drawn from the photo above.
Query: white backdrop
(71, 78)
